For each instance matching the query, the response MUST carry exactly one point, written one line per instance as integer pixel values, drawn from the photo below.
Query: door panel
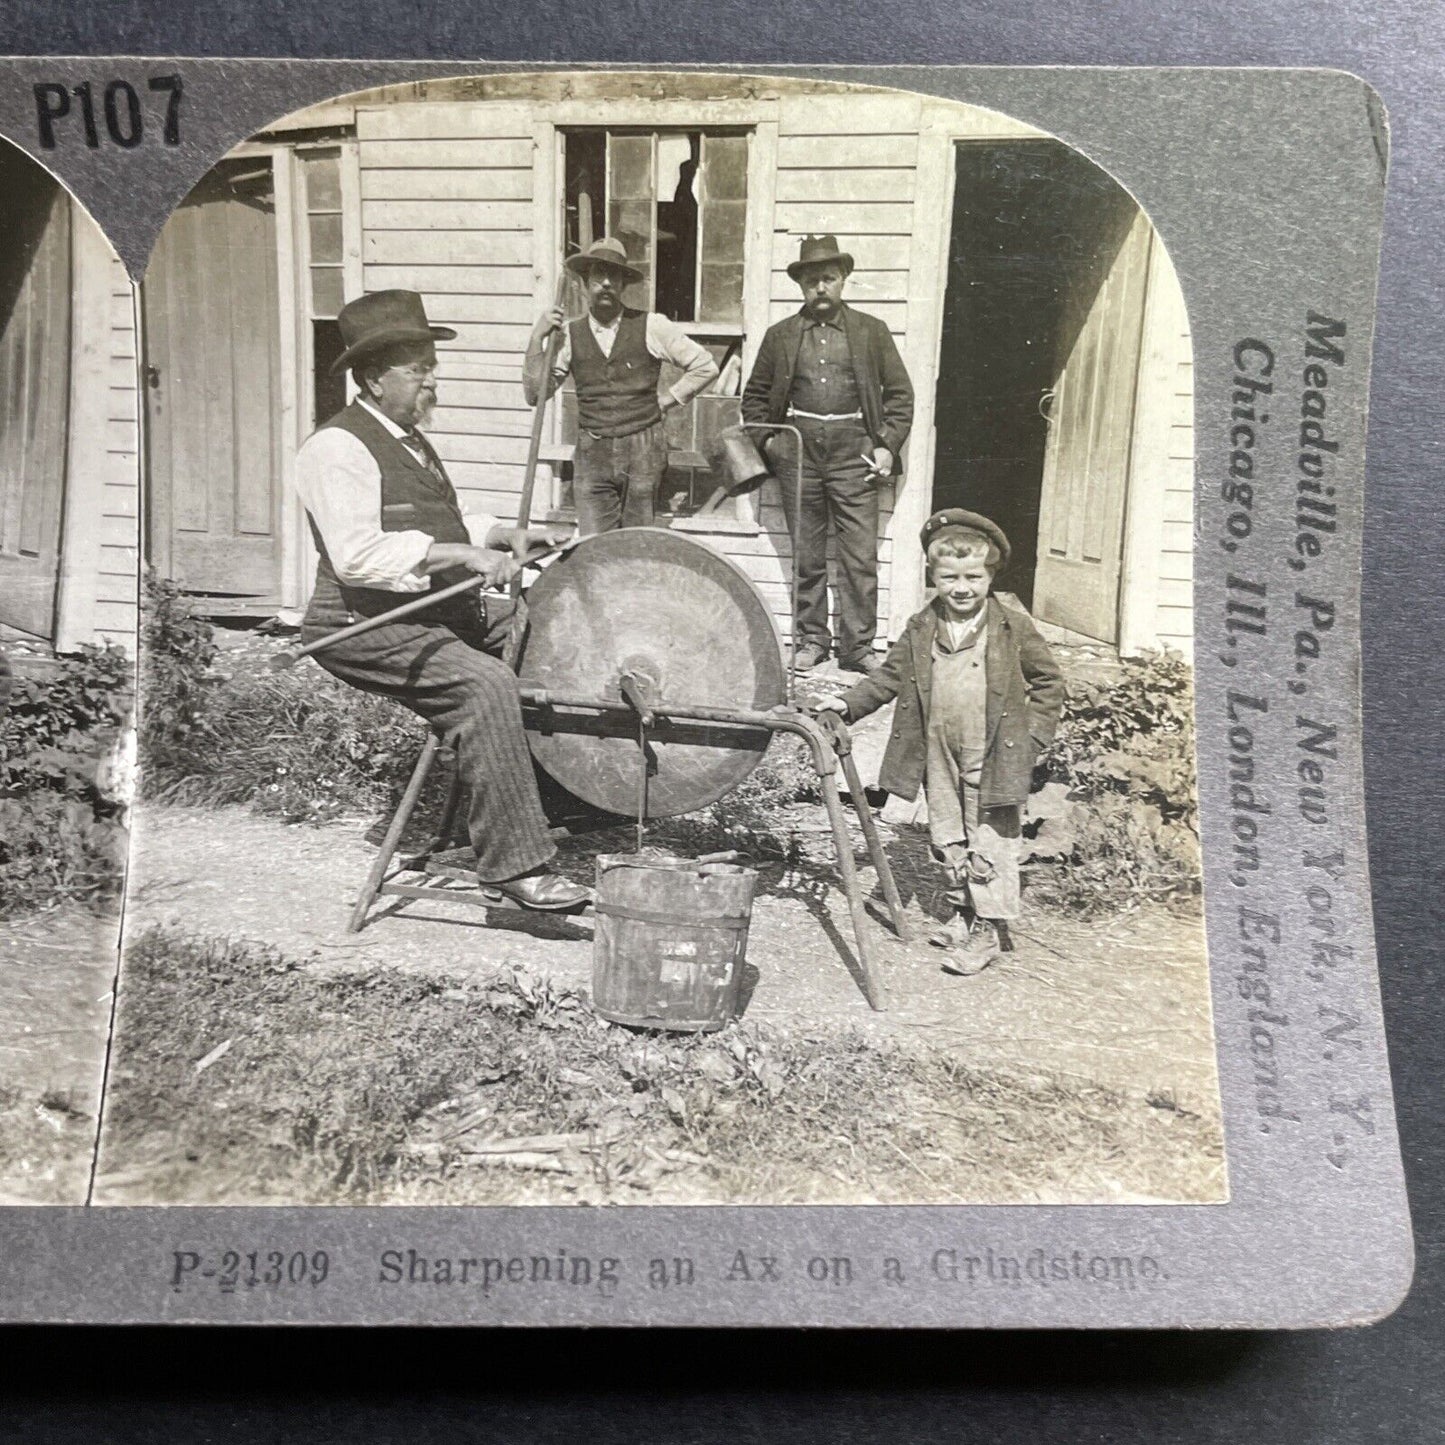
(34, 401)
(213, 405)
(1086, 462)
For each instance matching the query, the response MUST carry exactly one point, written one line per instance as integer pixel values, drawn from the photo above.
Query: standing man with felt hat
(387, 525)
(615, 355)
(836, 375)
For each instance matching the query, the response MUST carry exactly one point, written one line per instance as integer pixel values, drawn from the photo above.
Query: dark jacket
(1025, 696)
(884, 391)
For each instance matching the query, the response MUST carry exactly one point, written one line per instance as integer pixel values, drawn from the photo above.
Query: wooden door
(213, 404)
(1086, 460)
(34, 398)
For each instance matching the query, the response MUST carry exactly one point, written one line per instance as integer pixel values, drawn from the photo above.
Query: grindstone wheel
(660, 606)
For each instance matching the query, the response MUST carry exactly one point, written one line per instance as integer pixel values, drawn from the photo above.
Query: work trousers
(447, 675)
(979, 846)
(615, 479)
(837, 486)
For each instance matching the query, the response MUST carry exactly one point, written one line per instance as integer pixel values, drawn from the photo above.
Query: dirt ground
(57, 971)
(1122, 1003)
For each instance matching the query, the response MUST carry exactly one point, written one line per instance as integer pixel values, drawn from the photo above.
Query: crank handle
(637, 693)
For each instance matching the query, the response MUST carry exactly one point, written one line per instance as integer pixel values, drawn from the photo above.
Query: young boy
(978, 698)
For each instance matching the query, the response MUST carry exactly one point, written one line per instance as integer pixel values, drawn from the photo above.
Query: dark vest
(412, 499)
(617, 394)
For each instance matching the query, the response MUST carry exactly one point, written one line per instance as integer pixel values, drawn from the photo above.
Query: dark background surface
(1381, 1383)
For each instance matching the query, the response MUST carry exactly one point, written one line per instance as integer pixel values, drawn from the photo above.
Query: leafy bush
(58, 728)
(297, 744)
(55, 848)
(177, 650)
(1133, 734)
(61, 835)
(755, 815)
(1120, 821)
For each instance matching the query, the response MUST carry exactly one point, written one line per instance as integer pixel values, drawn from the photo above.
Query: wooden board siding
(447, 209)
(115, 618)
(99, 557)
(458, 200)
(1174, 618)
(1156, 600)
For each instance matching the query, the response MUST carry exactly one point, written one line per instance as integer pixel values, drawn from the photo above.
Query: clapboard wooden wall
(458, 200)
(100, 545)
(447, 209)
(1174, 610)
(1157, 592)
(115, 595)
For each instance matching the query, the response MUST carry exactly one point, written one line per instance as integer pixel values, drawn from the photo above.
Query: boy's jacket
(1025, 696)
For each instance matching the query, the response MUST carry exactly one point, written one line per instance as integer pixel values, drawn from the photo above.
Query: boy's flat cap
(976, 521)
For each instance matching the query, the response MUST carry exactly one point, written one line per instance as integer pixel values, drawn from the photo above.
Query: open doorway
(1043, 314)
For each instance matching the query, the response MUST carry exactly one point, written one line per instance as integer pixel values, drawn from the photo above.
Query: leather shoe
(867, 664)
(545, 892)
(809, 656)
(980, 949)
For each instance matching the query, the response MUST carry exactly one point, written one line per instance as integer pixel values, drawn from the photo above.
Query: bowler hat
(817, 251)
(381, 319)
(975, 521)
(606, 252)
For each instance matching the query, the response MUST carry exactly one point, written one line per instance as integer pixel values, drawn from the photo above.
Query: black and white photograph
(69, 490)
(666, 667)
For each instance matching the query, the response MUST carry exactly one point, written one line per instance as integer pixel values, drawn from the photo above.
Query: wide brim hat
(818, 251)
(975, 521)
(606, 252)
(381, 319)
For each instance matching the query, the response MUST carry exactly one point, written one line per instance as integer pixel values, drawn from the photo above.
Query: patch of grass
(297, 745)
(387, 1087)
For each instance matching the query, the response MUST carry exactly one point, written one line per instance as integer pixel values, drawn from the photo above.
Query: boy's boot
(954, 932)
(980, 949)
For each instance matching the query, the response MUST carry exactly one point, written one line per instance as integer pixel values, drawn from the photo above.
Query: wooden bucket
(670, 940)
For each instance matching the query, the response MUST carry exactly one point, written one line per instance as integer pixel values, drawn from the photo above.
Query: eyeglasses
(416, 370)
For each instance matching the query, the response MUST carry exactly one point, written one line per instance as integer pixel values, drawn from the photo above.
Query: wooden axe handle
(290, 659)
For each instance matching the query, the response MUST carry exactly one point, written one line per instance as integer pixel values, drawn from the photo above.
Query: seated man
(388, 526)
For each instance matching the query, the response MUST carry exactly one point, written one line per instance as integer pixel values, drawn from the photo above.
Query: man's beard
(425, 408)
(605, 308)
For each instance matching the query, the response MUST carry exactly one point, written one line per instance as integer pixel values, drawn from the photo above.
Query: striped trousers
(448, 676)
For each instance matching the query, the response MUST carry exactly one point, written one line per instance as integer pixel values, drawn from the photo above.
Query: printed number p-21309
(58, 108)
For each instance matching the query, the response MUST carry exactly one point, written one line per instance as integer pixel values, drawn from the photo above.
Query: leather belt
(826, 415)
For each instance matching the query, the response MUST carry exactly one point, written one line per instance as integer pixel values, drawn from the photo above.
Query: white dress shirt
(666, 341)
(339, 483)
